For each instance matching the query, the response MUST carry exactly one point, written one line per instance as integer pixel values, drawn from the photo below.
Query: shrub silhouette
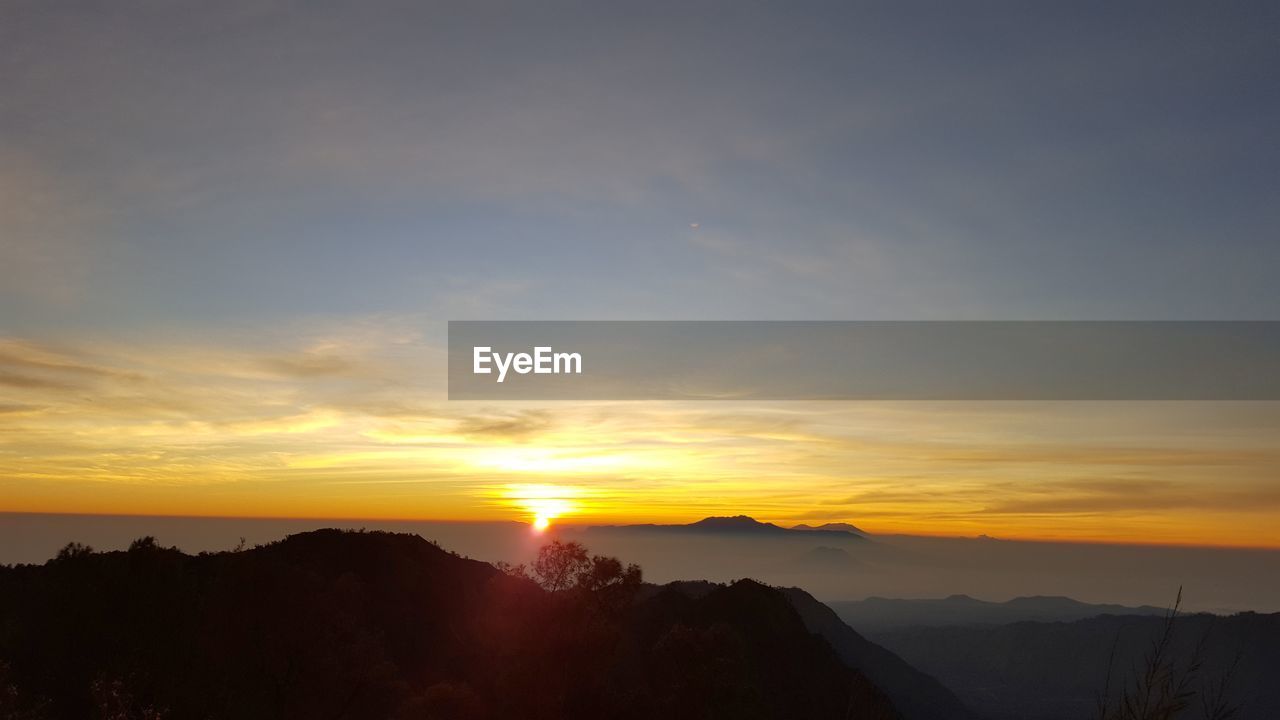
(1165, 687)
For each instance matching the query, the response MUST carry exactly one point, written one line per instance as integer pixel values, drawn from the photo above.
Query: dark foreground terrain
(333, 624)
(1056, 670)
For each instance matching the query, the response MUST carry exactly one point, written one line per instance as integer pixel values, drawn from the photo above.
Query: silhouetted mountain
(738, 525)
(794, 673)
(877, 613)
(332, 624)
(1055, 671)
(831, 527)
(916, 695)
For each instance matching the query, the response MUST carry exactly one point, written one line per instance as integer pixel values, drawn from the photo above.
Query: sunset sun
(543, 502)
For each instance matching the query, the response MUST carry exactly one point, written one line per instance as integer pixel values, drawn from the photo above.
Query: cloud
(1129, 495)
(518, 425)
(344, 405)
(308, 365)
(28, 365)
(19, 408)
(34, 383)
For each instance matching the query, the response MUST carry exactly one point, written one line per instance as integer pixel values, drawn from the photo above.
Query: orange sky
(347, 423)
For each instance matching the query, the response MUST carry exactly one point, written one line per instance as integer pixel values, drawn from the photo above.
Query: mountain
(1055, 671)
(742, 525)
(360, 625)
(794, 673)
(916, 695)
(735, 524)
(877, 613)
(831, 527)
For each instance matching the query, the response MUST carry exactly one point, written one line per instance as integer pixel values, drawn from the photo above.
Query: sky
(231, 235)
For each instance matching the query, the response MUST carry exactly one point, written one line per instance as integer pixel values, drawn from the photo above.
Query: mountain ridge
(881, 613)
(831, 526)
(741, 525)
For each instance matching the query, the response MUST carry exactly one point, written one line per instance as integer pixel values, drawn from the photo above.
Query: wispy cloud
(251, 422)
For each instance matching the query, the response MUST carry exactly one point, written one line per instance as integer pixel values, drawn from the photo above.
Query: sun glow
(544, 502)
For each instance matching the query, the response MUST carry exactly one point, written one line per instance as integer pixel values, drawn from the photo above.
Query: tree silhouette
(567, 567)
(560, 565)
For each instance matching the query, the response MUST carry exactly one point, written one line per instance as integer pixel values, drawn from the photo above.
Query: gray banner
(875, 360)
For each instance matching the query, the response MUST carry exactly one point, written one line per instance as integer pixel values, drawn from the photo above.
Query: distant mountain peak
(831, 527)
(744, 524)
(736, 522)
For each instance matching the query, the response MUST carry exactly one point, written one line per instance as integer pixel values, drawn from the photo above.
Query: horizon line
(587, 525)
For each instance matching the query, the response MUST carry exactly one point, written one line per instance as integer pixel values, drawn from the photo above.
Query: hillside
(332, 624)
(917, 695)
